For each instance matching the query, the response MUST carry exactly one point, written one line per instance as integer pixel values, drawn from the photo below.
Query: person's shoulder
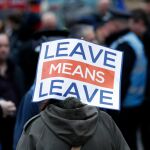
(104, 115)
(116, 136)
(33, 124)
(106, 120)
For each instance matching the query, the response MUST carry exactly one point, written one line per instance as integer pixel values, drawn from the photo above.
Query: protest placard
(76, 68)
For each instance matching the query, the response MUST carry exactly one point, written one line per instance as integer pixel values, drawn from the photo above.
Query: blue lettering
(46, 53)
(102, 97)
(108, 60)
(92, 55)
(81, 52)
(75, 91)
(89, 98)
(40, 92)
(55, 87)
(59, 49)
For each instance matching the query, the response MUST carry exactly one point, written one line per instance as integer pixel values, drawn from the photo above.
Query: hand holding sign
(75, 68)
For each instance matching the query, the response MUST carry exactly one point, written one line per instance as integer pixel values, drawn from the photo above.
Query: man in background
(139, 24)
(133, 74)
(11, 90)
(103, 7)
(49, 21)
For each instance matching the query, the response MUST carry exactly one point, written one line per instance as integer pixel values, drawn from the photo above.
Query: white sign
(76, 68)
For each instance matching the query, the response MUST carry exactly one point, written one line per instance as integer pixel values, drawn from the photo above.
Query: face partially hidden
(4, 47)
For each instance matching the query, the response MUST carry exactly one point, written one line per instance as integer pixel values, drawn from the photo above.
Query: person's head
(109, 28)
(49, 21)
(116, 20)
(139, 21)
(82, 31)
(68, 103)
(4, 47)
(103, 6)
(45, 36)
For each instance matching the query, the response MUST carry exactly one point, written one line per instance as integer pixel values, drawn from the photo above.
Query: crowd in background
(22, 32)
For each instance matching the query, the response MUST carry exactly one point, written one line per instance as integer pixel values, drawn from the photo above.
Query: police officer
(133, 73)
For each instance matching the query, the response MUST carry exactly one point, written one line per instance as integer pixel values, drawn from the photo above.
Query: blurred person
(13, 20)
(139, 24)
(108, 26)
(29, 25)
(103, 7)
(31, 50)
(11, 90)
(71, 125)
(133, 75)
(103, 29)
(73, 10)
(49, 21)
(27, 109)
(83, 31)
(96, 17)
(20, 27)
(13, 23)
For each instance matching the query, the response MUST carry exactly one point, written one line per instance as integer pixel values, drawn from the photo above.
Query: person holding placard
(75, 76)
(68, 125)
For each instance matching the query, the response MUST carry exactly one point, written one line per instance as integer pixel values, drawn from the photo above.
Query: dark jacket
(12, 85)
(60, 129)
(11, 89)
(145, 40)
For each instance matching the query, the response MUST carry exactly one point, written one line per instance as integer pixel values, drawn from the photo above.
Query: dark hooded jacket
(60, 129)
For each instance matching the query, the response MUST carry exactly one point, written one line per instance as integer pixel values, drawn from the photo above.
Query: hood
(74, 126)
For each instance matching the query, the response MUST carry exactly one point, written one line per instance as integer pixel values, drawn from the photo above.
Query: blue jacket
(27, 110)
(135, 93)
